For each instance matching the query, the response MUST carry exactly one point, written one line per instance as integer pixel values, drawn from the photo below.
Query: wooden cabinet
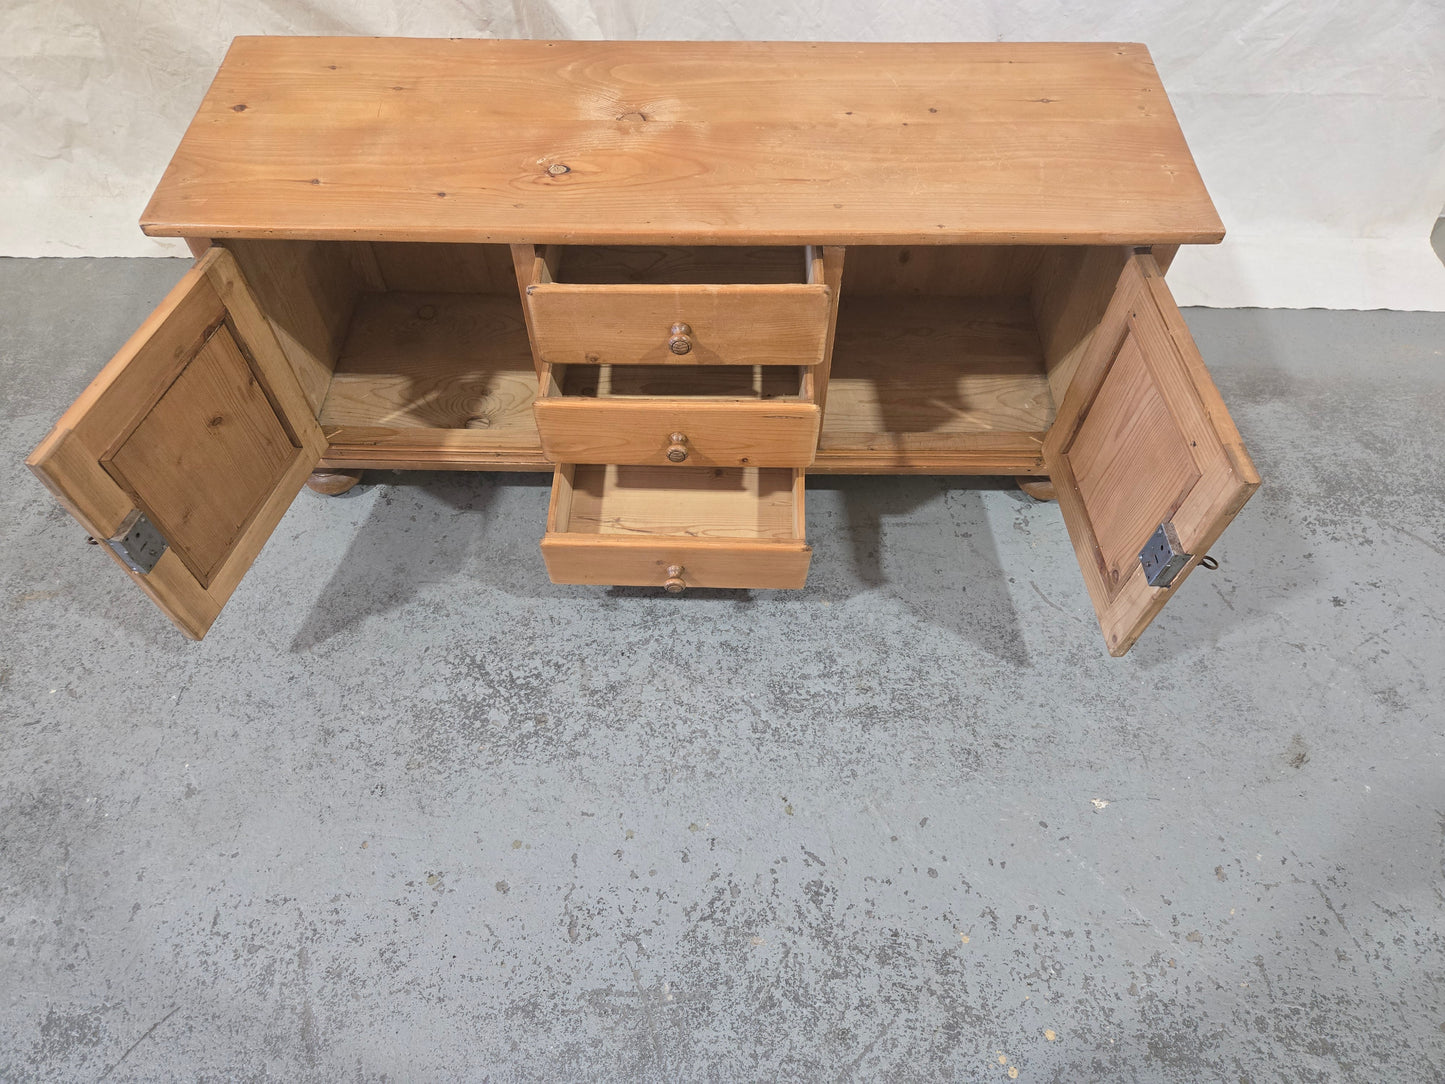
(680, 277)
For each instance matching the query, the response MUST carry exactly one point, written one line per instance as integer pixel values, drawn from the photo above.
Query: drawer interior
(764, 503)
(702, 383)
(680, 265)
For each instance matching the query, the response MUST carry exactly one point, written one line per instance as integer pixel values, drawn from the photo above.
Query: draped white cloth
(1319, 127)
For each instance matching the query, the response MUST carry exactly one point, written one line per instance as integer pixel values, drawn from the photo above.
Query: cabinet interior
(955, 356)
(945, 358)
(411, 354)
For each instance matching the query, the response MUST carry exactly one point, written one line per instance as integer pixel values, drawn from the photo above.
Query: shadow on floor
(408, 540)
(1267, 554)
(950, 576)
(925, 542)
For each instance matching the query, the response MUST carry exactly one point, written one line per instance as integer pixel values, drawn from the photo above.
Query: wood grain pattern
(949, 384)
(333, 483)
(631, 325)
(629, 525)
(731, 416)
(365, 265)
(262, 462)
(205, 456)
(382, 448)
(439, 268)
(750, 502)
(1072, 290)
(1130, 461)
(435, 381)
(307, 289)
(1164, 256)
(716, 434)
(684, 142)
(943, 270)
(613, 560)
(828, 263)
(1142, 437)
(529, 267)
(955, 453)
(680, 265)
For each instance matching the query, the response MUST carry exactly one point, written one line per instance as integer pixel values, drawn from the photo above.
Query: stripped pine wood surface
(685, 142)
(200, 423)
(646, 526)
(921, 384)
(1142, 438)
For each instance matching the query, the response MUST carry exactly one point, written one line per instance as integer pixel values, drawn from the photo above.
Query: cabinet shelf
(918, 384)
(422, 358)
(933, 383)
(439, 379)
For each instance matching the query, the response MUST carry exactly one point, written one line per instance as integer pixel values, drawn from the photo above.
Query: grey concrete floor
(411, 812)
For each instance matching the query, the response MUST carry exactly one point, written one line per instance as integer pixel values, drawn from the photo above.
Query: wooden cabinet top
(670, 142)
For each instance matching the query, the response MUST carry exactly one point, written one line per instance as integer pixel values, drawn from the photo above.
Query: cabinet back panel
(681, 264)
(942, 270)
(415, 267)
(1067, 287)
(758, 382)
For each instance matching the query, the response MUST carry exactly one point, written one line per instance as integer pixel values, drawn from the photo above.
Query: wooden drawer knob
(674, 584)
(681, 340)
(677, 450)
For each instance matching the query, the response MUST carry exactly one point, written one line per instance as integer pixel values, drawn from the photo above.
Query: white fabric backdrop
(1318, 126)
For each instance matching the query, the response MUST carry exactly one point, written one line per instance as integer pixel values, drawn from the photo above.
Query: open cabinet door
(1147, 464)
(184, 453)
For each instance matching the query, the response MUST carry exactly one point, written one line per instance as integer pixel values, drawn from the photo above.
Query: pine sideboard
(680, 277)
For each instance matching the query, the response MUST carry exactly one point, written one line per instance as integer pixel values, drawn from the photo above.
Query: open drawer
(627, 305)
(707, 416)
(677, 527)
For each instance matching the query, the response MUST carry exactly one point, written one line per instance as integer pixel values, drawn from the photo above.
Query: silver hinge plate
(1163, 557)
(139, 543)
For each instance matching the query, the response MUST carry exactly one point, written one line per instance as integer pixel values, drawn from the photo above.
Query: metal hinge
(1162, 556)
(139, 543)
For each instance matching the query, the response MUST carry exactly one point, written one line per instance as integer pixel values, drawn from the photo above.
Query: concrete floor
(411, 812)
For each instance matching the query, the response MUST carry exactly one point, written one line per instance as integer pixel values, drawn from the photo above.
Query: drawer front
(695, 562)
(578, 430)
(784, 324)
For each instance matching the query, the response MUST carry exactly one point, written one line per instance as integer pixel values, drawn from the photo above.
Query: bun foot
(1040, 489)
(332, 482)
